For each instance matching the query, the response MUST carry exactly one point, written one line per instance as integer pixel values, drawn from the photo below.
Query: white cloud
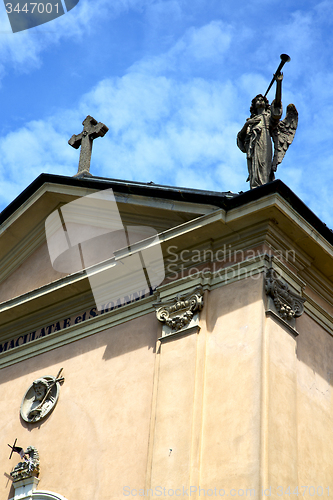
(160, 129)
(198, 46)
(23, 50)
(28, 152)
(208, 42)
(18, 51)
(170, 126)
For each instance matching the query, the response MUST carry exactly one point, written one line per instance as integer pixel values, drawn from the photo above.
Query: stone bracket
(180, 315)
(283, 302)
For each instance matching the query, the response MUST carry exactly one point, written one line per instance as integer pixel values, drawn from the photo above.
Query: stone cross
(91, 130)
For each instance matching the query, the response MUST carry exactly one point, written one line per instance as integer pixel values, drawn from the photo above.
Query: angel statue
(255, 137)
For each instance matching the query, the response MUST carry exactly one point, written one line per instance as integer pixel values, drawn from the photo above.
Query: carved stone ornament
(40, 398)
(29, 467)
(178, 313)
(288, 304)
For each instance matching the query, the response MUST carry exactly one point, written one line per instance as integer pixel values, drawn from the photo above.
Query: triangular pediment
(24, 258)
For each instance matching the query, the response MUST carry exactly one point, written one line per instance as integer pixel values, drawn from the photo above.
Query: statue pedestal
(25, 487)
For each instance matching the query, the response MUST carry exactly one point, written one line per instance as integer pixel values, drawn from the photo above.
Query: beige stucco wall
(314, 405)
(171, 461)
(240, 406)
(208, 404)
(232, 398)
(96, 439)
(279, 417)
(245, 404)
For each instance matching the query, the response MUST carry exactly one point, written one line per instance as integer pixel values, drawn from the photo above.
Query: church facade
(208, 375)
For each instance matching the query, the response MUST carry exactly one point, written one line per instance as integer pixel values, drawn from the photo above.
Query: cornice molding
(255, 269)
(283, 207)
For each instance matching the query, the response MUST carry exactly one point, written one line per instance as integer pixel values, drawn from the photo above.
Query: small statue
(30, 465)
(254, 139)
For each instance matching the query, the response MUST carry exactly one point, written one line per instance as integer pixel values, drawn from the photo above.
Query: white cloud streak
(23, 51)
(170, 125)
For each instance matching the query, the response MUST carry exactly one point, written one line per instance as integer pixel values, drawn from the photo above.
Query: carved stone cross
(91, 130)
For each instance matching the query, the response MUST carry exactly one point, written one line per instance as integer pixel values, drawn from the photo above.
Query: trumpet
(284, 58)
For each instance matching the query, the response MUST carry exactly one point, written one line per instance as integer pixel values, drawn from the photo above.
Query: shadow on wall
(315, 350)
(118, 340)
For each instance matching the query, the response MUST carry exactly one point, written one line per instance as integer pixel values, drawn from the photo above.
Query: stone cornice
(236, 220)
(255, 269)
(282, 208)
(269, 220)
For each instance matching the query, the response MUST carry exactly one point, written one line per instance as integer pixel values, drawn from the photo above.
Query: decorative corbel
(288, 305)
(181, 314)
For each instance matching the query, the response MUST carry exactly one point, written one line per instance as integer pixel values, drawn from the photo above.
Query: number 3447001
(32, 8)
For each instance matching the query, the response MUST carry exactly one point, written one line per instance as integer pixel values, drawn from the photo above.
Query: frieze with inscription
(66, 322)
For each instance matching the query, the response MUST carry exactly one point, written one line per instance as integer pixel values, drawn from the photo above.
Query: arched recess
(46, 495)
(26, 489)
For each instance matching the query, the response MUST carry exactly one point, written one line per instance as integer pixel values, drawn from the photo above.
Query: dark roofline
(120, 186)
(226, 200)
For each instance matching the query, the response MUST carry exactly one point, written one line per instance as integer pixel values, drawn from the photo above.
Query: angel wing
(284, 134)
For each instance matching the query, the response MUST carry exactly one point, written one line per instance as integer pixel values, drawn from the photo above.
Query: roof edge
(225, 200)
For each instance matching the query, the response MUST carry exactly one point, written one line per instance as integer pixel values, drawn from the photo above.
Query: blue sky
(173, 81)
